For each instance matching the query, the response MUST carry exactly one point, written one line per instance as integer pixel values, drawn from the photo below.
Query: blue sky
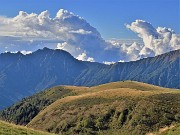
(108, 16)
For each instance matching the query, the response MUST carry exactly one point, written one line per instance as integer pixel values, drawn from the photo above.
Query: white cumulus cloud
(74, 34)
(156, 40)
(84, 57)
(26, 52)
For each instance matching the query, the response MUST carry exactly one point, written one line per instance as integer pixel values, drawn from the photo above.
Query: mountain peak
(46, 67)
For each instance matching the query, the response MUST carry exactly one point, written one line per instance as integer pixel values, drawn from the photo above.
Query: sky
(105, 31)
(108, 16)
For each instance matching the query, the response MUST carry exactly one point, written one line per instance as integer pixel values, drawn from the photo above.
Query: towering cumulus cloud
(67, 31)
(156, 41)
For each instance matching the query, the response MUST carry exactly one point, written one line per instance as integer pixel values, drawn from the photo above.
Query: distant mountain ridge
(23, 75)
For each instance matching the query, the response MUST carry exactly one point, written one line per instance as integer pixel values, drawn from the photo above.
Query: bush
(122, 117)
(88, 123)
(177, 117)
(100, 123)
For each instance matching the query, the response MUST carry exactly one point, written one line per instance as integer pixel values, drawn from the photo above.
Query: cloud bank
(29, 32)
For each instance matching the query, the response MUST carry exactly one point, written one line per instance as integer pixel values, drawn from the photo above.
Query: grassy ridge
(11, 129)
(123, 107)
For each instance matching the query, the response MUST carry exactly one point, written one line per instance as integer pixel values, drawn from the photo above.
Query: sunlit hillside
(121, 107)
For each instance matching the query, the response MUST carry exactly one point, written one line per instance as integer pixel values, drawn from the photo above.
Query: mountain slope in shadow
(23, 75)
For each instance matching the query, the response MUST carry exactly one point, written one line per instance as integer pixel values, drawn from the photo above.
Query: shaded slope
(24, 75)
(162, 70)
(24, 111)
(112, 108)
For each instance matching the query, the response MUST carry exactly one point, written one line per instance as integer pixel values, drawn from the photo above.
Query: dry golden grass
(132, 85)
(95, 101)
(11, 129)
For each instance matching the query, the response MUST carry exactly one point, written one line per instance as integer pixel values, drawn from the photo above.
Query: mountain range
(23, 75)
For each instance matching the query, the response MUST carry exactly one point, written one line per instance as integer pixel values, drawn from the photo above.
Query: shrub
(88, 123)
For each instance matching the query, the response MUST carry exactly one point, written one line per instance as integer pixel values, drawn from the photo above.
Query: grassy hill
(11, 129)
(24, 111)
(121, 108)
